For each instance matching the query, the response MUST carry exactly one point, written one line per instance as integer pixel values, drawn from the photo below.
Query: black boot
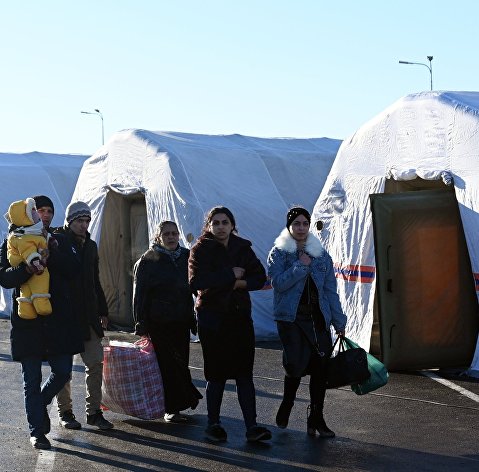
(282, 417)
(291, 385)
(316, 423)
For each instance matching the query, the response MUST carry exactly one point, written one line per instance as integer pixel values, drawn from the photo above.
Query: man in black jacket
(91, 310)
(54, 338)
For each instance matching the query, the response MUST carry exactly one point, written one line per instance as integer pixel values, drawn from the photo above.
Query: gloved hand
(36, 266)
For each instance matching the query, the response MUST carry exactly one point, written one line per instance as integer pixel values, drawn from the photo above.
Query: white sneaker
(175, 418)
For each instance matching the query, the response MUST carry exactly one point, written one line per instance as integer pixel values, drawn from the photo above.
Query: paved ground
(412, 424)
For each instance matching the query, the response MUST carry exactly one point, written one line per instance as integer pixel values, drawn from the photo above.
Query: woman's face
(220, 226)
(299, 228)
(170, 237)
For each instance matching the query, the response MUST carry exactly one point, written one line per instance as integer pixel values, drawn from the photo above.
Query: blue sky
(270, 68)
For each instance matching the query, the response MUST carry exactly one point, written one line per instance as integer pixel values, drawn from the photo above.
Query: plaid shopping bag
(132, 382)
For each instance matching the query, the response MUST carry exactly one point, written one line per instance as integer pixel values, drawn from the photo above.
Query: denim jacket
(288, 277)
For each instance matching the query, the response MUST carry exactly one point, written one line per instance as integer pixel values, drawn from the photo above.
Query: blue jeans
(38, 396)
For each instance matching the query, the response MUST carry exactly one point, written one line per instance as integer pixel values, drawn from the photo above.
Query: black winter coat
(161, 290)
(57, 333)
(211, 276)
(89, 302)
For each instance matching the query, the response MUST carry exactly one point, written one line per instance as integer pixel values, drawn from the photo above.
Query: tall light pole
(429, 58)
(97, 112)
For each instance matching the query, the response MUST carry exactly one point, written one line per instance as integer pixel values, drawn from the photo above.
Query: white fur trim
(30, 205)
(40, 295)
(36, 229)
(24, 300)
(287, 243)
(32, 256)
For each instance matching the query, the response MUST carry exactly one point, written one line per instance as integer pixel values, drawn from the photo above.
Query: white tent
(140, 178)
(425, 140)
(36, 173)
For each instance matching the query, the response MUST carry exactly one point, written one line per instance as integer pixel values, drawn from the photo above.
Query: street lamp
(429, 58)
(97, 112)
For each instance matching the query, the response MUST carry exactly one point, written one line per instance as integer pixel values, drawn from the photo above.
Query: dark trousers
(317, 383)
(246, 397)
(38, 396)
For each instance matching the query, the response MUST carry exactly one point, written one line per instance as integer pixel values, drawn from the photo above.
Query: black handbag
(348, 367)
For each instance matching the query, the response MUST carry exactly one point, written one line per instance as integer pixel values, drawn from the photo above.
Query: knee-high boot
(317, 390)
(291, 385)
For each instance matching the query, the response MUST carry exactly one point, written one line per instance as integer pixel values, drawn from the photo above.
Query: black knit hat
(293, 213)
(43, 201)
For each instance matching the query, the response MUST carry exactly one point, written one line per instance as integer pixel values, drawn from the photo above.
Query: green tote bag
(379, 374)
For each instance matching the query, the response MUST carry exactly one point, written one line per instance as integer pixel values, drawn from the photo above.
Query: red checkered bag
(132, 382)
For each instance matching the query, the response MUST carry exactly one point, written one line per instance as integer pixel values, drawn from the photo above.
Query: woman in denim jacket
(306, 304)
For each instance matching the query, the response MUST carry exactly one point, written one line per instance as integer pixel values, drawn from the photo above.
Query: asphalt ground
(414, 423)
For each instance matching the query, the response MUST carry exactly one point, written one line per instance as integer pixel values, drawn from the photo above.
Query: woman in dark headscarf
(306, 304)
(163, 309)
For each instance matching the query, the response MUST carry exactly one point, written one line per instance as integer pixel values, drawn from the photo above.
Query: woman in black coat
(163, 309)
(222, 270)
(54, 338)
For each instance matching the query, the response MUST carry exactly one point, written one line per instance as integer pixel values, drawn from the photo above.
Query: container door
(427, 306)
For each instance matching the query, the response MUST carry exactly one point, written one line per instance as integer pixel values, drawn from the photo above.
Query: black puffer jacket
(89, 300)
(161, 290)
(211, 276)
(57, 333)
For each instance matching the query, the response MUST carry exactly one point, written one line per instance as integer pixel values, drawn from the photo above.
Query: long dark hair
(159, 229)
(214, 211)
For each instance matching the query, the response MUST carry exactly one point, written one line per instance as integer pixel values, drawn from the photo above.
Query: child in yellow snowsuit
(27, 243)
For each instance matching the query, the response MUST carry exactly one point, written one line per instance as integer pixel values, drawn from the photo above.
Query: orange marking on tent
(355, 273)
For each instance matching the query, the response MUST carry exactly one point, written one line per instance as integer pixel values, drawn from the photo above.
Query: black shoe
(40, 442)
(258, 433)
(282, 417)
(97, 420)
(46, 422)
(316, 423)
(68, 421)
(215, 433)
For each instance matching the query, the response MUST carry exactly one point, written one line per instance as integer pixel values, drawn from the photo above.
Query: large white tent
(140, 178)
(428, 140)
(36, 173)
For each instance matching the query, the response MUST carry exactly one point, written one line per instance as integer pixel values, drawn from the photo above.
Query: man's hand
(44, 253)
(52, 242)
(104, 322)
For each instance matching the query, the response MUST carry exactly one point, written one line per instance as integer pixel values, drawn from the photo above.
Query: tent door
(427, 306)
(124, 237)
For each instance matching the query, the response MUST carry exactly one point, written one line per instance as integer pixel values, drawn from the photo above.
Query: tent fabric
(36, 173)
(183, 175)
(430, 135)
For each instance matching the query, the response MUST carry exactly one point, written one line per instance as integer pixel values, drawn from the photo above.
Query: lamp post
(97, 112)
(429, 58)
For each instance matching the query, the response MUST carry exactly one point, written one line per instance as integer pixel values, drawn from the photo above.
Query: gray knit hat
(76, 210)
